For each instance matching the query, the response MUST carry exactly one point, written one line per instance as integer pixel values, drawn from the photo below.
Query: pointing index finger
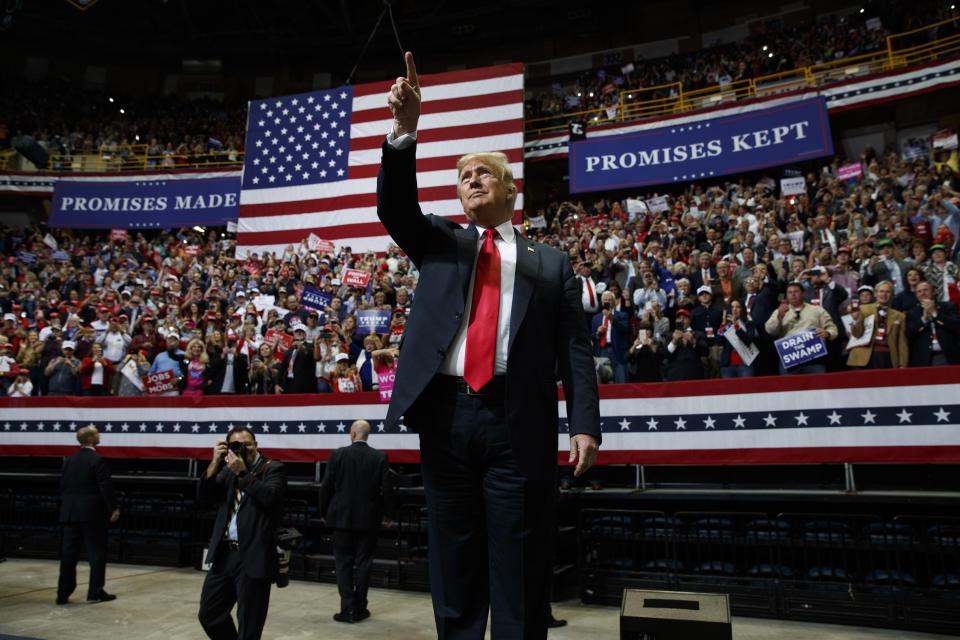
(411, 70)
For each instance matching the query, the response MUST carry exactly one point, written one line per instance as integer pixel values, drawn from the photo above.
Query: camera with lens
(238, 448)
(607, 305)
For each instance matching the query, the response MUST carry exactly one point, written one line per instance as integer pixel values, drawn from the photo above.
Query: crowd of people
(700, 289)
(768, 50)
(704, 288)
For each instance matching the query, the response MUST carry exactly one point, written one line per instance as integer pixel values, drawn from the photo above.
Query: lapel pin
(530, 249)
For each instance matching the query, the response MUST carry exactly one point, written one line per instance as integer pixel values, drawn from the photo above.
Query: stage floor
(161, 604)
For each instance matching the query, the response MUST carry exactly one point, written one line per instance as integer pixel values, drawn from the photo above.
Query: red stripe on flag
(430, 107)
(447, 77)
(443, 163)
(444, 134)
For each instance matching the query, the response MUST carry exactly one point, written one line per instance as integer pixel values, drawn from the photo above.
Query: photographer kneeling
(242, 551)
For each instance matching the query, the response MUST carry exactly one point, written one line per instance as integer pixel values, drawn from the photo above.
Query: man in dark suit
(242, 551)
(820, 289)
(704, 274)
(298, 370)
(229, 360)
(611, 336)
(685, 351)
(932, 330)
(88, 504)
(497, 319)
(352, 502)
(759, 301)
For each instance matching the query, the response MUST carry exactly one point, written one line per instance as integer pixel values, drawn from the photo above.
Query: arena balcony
(671, 99)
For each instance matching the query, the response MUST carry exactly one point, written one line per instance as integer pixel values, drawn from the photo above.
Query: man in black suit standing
(243, 549)
(496, 321)
(932, 330)
(88, 504)
(229, 371)
(352, 502)
(297, 372)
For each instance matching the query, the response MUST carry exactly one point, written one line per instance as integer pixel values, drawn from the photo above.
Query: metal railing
(646, 102)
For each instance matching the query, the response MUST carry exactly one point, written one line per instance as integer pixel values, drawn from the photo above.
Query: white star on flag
(681, 424)
(834, 417)
(709, 422)
(904, 416)
(869, 417)
(624, 425)
(771, 420)
(942, 416)
(651, 425)
(801, 419)
(739, 422)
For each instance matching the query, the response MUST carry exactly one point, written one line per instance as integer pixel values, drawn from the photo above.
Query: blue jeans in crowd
(736, 371)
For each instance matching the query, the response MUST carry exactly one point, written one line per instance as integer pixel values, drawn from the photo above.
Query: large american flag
(312, 158)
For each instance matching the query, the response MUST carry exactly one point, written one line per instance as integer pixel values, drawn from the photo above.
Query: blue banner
(60, 255)
(800, 348)
(26, 257)
(703, 149)
(315, 299)
(144, 204)
(375, 319)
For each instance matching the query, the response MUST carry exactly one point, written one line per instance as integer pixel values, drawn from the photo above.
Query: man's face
(704, 298)
(704, 260)
(750, 284)
(486, 200)
(723, 269)
(173, 342)
(924, 291)
(250, 445)
(795, 296)
(887, 252)
(884, 295)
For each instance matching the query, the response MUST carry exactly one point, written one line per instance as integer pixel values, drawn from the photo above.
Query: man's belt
(232, 545)
(493, 390)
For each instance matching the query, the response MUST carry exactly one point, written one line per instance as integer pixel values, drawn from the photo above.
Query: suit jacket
(218, 371)
(763, 305)
(86, 488)
(548, 332)
(619, 336)
(946, 325)
(304, 372)
(696, 278)
(895, 335)
(258, 514)
(355, 487)
(830, 301)
(684, 363)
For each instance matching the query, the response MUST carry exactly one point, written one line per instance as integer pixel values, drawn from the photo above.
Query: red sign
(118, 234)
(355, 278)
(253, 268)
(321, 245)
(278, 338)
(191, 249)
(160, 382)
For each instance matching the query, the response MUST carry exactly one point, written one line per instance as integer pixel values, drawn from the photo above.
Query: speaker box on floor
(674, 615)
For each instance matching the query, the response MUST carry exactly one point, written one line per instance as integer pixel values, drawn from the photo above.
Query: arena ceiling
(332, 33)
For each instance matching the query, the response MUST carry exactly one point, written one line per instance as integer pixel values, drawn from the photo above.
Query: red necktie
(593, 301)
(603, 336)
(482, 329)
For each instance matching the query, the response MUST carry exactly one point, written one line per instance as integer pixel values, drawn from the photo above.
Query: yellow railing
(667, 99)
(112, 161)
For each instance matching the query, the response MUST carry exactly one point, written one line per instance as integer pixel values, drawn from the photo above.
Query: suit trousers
(94, 537)
(487, 523)
(353, 555)
(226, 584)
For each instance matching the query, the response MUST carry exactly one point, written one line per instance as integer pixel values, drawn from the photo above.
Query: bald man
(88, 504)
(352, 501)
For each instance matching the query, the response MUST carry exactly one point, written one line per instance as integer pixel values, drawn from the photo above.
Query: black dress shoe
(62, 600)
(103, 596)
(343, 616)
(553, 623)
(361, 615)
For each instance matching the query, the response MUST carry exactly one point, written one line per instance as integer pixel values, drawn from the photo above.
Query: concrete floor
(160, 603)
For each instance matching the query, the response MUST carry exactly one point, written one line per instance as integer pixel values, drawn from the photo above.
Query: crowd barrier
(905, 416)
